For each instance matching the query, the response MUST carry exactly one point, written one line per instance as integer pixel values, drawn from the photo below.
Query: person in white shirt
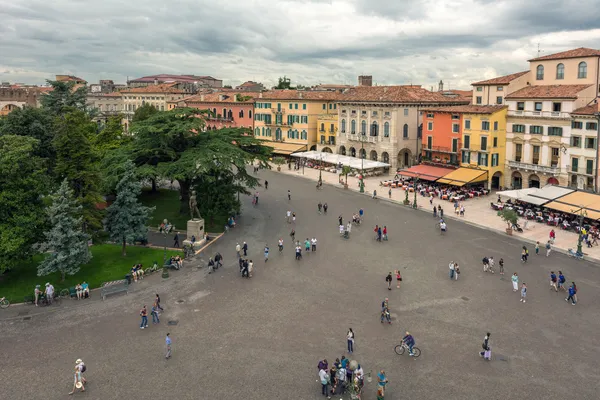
(49, 292)
(349, 227)
(350, 339)
(280, 245)
(288, 216)
(324, 377)
(451, 272)
(313, 243)
(442, 227)
(238, 249)
(341, 229)
(250, 268)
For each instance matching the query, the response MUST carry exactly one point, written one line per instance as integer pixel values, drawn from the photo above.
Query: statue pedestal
(195, 227)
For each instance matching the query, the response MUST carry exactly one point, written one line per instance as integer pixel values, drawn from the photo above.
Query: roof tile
(548, 92)
(163, 88)
(396, 94)
(574, 53)
(592, 109)
(501, 80)
(467, 109)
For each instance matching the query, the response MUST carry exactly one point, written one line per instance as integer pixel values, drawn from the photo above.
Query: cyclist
(218, 259)
(211, 265)
(410, 342)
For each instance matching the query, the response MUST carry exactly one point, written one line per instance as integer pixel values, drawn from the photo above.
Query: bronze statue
(194, 205)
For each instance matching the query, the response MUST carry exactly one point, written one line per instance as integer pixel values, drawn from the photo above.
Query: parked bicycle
(188, 251)
(4, 303)
(403, 347)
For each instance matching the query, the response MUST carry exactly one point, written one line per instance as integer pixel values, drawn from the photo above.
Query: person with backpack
(218, 260)
(561, 280)
(572, 293)
(487, 350)
(548, 248)
(388, 279)
(325, 380)
(553, 281)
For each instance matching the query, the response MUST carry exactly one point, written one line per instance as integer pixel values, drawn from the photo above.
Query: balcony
(275, 111)
(441, 149)
(534, 167)
(539, 114)
(580, 170)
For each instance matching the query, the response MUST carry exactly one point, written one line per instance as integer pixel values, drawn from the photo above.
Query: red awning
(425, 172)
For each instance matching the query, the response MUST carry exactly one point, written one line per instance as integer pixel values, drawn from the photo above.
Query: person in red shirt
(552, 235)
(385, 233)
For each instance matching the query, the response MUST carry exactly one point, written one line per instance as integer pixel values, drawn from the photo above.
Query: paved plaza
(262, 338)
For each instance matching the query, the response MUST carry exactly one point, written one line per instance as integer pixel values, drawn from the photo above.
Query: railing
(539, 114)
(441, 149)
(283, 124)
(281, 139)
(275, 110)
(580, 170)
(388, 116)
(533, 167)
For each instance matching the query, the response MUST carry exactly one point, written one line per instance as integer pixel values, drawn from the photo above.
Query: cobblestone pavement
(261, 338)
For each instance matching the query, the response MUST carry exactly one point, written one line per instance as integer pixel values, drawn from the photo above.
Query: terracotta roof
(548, 92)
(113, 94)
(286, 94)
(250, 84)
(395, 94)
(216, 98)
(587, 110)
(171, 78)
(575, 53)
(163, 88)
(501, 80)
(466, 109)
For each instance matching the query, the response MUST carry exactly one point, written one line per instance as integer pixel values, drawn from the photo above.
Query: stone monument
(195, 226)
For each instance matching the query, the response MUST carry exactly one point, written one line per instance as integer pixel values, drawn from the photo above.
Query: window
(335, 106)
(353, 127)
(467, 142)
(291, 106)
(455, 116)
(536, 130)
(495, 125)
(484, 143)
(517, 128)
(353, 111)
(322, 139)
(406, 112)
(467, 124)
(374, 129)
(429, 115)
(556, 107)
(589, 167)
(554, 131)
(576, 125)
(386, 129)
(560, 71)
(479, 89)
(590, 143)
(405, 130)
(495, 142)
(386, 114)
(499, 100)
(575, 141)
(455, 128)
(322, 127)
(455, 145)
(518, 151)
(363, 127)
(478, 100)
(520, 105)
(429, 142)
(343, 126)
(591, 126)
(343, 111)
(555, 151)
(499, 88)
(482, 159)
(363, 113)
(495, 160)
(582, 70)
(574, 164)
(250, 114)
(296, 106)
(324, 107)
(538, 106)
(466, 157)
(330, 106)
(241, 114)
(539, 74)
(536, 155)
(374, 113)
(430, 126)
(304, 135)
(304, 106)
(485, 125)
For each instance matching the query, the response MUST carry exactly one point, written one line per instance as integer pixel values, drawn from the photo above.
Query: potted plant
(510, 217)
(345, 171)
(279, 161)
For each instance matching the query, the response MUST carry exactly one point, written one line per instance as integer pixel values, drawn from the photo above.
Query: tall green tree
(65, 96)
(144, 112)
(23, 182)
(175, 143)
(76, 161)
(126, 218)
(284, 83)
(66, 244)
(110, 136)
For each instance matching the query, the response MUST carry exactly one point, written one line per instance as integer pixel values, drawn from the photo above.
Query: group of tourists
(154, 311)
(344, 376)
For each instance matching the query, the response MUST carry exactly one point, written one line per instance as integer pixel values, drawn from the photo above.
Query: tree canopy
(64, 96)
(144, 112)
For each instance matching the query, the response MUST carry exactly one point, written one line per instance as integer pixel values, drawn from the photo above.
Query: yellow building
(327, 125)
(288, 120)
(484, 142)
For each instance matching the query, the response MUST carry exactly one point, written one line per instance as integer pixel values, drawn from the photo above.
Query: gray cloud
(311, 41)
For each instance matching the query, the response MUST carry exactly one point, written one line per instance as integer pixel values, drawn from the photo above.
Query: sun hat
(79, 361)
(47, 283)
(78, 385)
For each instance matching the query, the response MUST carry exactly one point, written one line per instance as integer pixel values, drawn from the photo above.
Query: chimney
(201, 97)
(365, 80)
(385, 89)
(155, 81)
(300, 94)
(221, 97)
(260, 95)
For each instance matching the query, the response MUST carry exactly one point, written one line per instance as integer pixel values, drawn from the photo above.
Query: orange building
(442, 133)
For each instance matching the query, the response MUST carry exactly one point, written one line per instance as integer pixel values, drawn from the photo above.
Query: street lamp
(415, 187)
(362, 162)
(582, 214)
(165, 229)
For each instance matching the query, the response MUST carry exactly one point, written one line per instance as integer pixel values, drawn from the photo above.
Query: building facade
(384, 123)
(106, 105)
(327, 124)
(287, 120)
(155, 95)
(189, 83)
(442, 136)
(583, 163)
(13, 97)
(493, 91)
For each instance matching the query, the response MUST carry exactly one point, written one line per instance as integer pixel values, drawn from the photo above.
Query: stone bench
(114, 287)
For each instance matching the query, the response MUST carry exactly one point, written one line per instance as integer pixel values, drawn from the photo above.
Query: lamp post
(362, 162)
(165, 230)
(415, 187)
(582, 214)
(320, 169)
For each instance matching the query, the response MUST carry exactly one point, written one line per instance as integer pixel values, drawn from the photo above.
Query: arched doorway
(552, 181)
(8, 108)
(385, 157)
(496, 179)
(517, 180)
(363, 153)
(352, 152)
(534, 181)
(373, 155)
(404, 158)
(327, 150)
(342, 150)
(313, 147)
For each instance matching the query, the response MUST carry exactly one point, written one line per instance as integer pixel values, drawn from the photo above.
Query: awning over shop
(464, 176)
(425, 172)
(578, 203)
(284, 148)
(336, 159)
(519, 194)
(546, 194)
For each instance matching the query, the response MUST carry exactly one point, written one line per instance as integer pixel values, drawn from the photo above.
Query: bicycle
(4, 303)
(188, 251)
(402, 347)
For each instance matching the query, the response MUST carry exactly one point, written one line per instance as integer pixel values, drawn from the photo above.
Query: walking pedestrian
(37, 293)
(250, 269)
(238, 250)
(245, 248)
(548, 248)
(381, 382)
(82, 368)
(523, 292)
(561, 280)
(515, 282)
(374, 194)
(157, 301)
(289, 195)
(451, 269)
(266, 253)
(385, 236)
(487, 350)
(266, 185)
(434, 212)
(553, 281)
(77, 381)
(307, 245)
(280, 244)
(398, 278)
(245, 269)
(572, 294)
(313, 243)
(524, 254)
(389, 279)
(325, 380)
(430, 199)
(319, 206)
(361, 213)
(486, 264)
(390, 193)
(144, 315)
(537, 248)
(168, 346)
(325, 206)
(340, 220)
(501, 265)
(294, 218)
(49, 292)
(218, 260)
(293, 234)
(176, 240)
(288, 216)
(350, 340)
(154, 312)
(553, 236)
(298, 252)
(441, 211)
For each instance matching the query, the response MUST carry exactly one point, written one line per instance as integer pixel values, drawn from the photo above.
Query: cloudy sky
(310, 41)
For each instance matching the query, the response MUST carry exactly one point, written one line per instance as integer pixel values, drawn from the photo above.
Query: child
(537, 248)
(398, 278)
